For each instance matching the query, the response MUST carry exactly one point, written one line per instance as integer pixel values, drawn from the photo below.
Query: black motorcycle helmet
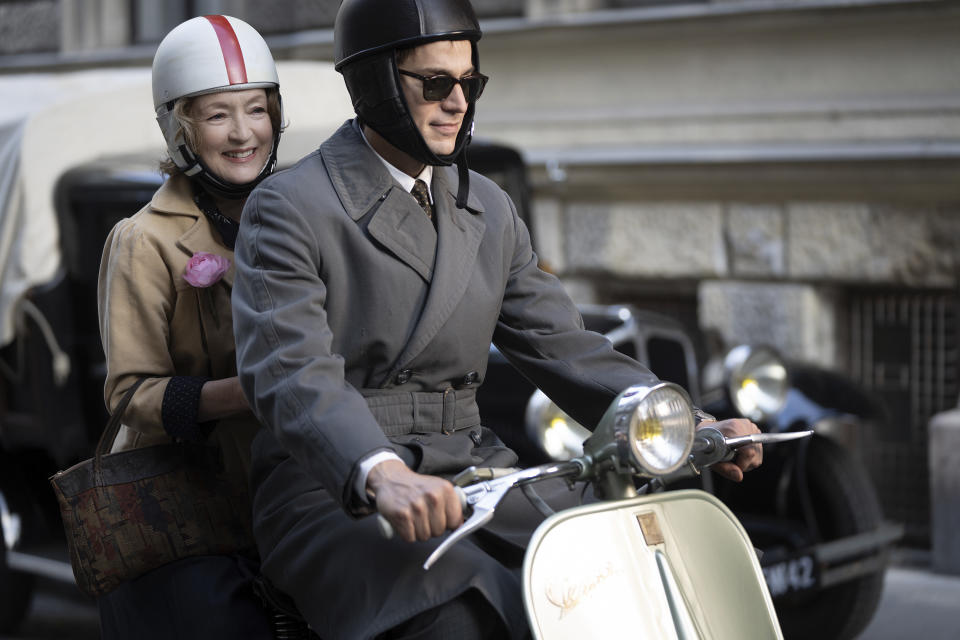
(367, 35)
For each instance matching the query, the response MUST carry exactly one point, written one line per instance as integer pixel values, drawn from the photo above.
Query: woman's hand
(221, 399)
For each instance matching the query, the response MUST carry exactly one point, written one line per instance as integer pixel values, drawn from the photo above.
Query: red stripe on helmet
(230, 46)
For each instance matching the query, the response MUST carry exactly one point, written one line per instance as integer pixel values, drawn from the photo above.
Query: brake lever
(483, 498)
(477, 519)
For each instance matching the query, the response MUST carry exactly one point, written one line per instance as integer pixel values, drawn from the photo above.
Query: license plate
(795, 574)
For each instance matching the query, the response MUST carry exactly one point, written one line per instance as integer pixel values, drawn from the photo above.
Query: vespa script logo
(566, 594)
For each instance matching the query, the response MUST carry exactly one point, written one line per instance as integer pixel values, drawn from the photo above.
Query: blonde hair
(190, 126)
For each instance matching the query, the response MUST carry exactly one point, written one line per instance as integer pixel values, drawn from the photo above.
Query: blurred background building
(769, 171)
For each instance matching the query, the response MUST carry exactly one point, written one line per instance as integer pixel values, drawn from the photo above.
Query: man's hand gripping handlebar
(488, 487)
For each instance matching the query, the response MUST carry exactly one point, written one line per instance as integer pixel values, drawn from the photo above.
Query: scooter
(657, 564)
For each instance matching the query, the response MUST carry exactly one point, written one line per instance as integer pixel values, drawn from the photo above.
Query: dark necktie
(420, 192)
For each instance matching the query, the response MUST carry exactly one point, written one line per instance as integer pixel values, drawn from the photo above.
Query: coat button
(403, 376)
(469, 379)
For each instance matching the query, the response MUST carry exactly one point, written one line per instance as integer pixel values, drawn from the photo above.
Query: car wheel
(844, 503)
(16, 592)
(16, 588)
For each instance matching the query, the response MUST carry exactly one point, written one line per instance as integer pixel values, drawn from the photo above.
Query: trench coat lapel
(444, 257)
(362, 183)
(403, 229)
(460, 234)
(175, 198)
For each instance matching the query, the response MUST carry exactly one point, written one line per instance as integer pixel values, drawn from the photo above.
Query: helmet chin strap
(463, 171)
(231, 190)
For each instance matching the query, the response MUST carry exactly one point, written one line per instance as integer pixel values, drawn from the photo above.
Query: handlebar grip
(386, 529)
(710, 447)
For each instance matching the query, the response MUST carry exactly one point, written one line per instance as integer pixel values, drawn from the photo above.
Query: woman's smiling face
(236, 136)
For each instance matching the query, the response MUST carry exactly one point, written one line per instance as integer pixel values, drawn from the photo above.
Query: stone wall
(767, 272)
(291, 15)
(29, 26)
(799, 320)
(42, 26)
(873, 243)
(833, 242)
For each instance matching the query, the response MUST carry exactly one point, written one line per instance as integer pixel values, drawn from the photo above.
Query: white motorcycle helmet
(206, 55)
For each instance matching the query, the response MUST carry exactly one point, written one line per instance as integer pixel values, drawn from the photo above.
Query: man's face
(439, 121)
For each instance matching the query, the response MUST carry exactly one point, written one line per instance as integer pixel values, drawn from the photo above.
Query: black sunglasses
(436, 88)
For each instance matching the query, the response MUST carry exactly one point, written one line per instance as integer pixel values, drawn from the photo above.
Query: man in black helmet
(371, 279)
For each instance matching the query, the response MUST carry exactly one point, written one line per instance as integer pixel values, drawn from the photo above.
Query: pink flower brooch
(205, 269)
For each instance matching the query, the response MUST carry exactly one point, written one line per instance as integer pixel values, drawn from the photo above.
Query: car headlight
(557, 433)
(10, 527)
(648, 428)
(757, 381)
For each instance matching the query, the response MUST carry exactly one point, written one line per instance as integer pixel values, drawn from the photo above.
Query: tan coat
(153, 323)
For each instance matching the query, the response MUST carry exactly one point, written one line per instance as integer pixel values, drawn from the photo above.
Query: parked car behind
(810, 508)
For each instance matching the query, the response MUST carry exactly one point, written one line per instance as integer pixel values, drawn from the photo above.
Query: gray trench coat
(360, 327)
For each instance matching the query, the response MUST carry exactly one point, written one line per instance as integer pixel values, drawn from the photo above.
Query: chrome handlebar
(710, 446)
(489, 486)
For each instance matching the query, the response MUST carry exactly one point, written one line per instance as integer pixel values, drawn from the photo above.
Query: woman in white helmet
(164, 301)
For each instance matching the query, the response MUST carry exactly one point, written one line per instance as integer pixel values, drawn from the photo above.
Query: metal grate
(904, 348)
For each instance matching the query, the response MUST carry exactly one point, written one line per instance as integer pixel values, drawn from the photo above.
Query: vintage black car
(810, 509)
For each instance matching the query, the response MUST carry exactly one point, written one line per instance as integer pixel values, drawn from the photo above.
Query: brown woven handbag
(129, 512)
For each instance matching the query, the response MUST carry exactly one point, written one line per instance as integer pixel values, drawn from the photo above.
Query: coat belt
(423, 411)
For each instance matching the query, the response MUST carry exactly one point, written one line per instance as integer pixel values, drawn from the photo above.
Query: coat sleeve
(540, 331)
(288, 371)
(134, 299)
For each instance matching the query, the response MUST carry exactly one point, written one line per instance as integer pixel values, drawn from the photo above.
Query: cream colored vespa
(671, 564)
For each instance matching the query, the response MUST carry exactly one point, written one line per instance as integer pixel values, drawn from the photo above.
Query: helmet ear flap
(374, 87)
(284, 123)
(181, 154)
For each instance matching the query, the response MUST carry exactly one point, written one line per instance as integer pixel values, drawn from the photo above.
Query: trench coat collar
(358, 175)
(175, 198)
(444, 257)
(366, 188)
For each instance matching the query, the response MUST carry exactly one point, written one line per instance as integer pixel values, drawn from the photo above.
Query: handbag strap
(113, 427)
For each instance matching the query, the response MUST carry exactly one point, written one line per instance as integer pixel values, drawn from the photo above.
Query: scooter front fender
(676, 564)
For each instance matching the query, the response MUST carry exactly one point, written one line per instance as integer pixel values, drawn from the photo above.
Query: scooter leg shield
(676, 564)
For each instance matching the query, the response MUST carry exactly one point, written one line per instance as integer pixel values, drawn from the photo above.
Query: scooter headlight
(757, 381)
(661, 430)
(559, 435)
(647, 428)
